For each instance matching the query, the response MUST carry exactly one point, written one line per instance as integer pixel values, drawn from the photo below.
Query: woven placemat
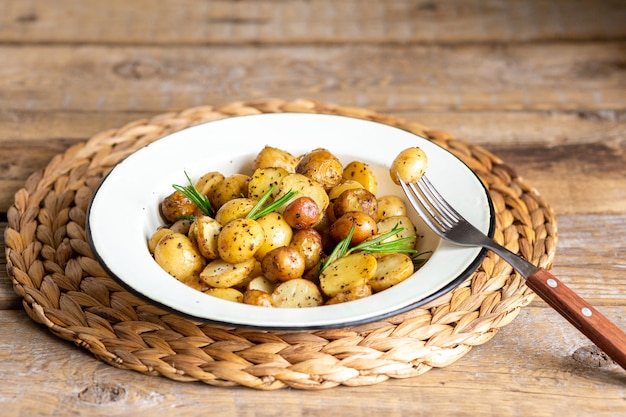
(53, 269)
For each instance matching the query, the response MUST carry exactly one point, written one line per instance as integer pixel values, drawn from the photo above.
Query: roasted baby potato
(277, 233)
(409, 231)
(390, 205)
(204, 232)
(364, 227)
(177, 255)
(262, 284)
(222, 274)
(208, 181)
(391, 269)
(321, 166)
(348, 272)
(270, 157)
(410, 165)
(237, 208)
(239, 240)
(351, 294)
(258, 298)
(228, 294)
(176, 205)
(344, 185)
(309, 243)
(356, 199)
(234, 186)
(156, 236)
(361, 172)
(283, 264)
(304, 186)
(302, 213)
(263, 179)
(297, 293)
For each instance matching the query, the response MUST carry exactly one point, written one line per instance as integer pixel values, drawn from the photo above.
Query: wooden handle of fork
(599, 329)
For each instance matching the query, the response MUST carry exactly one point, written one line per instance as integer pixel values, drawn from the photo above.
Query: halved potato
(228, 294)
(222, 274)
(304, 186)
(354, 293)
(204, 232)
(347, 272)
(262, 284)
(297, 293)
(208, 181)
(387, 225)
(391, 269)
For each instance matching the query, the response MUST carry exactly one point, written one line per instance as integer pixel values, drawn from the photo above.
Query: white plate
(124, 212)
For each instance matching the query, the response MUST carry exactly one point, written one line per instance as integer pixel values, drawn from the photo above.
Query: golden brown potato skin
(283, 264)
(176, 205)
(322, 166)
(177, 255)
(234, 186)
(258, 298)
(356, 199)
(271, 157)
(239, 240)
(302, 213)
(309, 243)
(365, 227)
(410, 165)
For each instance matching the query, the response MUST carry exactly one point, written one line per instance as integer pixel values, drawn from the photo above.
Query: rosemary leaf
(339, 251)
(259, 211)
(377, 245)
(192, 193)
(417, 261)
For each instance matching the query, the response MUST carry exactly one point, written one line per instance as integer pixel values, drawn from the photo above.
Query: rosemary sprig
(191, 192)
(375, 245)
(259, 211)
(417, 261)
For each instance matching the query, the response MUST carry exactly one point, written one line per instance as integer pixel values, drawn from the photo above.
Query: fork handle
(599, 329)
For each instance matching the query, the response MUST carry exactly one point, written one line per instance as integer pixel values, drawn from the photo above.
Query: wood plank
(482, 127)
(568, 180)
(306, 21)
(527, 364)
(554, 76)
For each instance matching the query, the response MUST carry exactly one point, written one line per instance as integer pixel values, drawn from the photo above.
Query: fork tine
(449, 215)
(422, 205)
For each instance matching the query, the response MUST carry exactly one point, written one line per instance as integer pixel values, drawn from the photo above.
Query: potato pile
(287, 254)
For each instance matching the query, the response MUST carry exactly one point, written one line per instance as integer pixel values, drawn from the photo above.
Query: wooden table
(542, 84)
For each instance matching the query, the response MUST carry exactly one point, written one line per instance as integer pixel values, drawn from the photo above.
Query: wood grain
(324, 21)
(540, 83)
(576, 77)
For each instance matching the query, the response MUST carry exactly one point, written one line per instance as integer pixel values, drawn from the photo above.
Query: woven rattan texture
(65, 289)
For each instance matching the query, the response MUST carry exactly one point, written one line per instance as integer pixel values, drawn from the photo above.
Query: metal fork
(446, 222)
